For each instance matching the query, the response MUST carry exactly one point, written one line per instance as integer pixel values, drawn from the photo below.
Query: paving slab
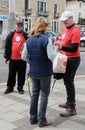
(70, 125)
(6, 125)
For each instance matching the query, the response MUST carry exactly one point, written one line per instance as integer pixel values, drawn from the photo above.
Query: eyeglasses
(19, 24)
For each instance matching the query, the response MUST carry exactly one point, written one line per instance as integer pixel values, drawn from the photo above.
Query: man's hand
(57, 45)
(5, 61)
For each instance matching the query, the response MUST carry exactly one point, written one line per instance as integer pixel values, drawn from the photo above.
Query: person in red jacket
(13, 48)
(69, 45)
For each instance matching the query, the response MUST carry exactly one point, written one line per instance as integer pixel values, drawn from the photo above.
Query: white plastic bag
(60, 63)
(25, 55)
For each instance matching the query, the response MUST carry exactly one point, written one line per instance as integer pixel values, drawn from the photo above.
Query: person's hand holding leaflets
(57, 45)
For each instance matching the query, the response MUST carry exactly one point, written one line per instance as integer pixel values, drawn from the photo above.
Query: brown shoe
(45, 124)
(63, 105)
(68, 112)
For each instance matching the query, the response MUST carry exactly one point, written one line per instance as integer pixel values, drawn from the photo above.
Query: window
(4, 3)
(27, 24)
(79, 15)
(26, 4)
(80, 5)
(41, 6)
(0, 27)
(55, 9)
(55, 26)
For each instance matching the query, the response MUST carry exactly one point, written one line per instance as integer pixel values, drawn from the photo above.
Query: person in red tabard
(69, 45)
(13, 48)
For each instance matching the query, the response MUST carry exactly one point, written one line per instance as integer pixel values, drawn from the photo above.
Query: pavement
(14, 108)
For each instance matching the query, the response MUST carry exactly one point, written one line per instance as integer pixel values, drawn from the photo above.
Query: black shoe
(8, 91)
(34, 122)
(21, 91)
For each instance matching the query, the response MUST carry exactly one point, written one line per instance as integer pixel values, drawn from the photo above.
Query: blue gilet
(40, 65)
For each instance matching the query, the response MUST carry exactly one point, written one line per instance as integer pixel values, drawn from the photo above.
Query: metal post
(12, 15)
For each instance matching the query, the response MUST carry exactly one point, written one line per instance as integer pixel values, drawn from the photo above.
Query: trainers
(63, 105)
(45, 124)
(68, 112)
(8, 91)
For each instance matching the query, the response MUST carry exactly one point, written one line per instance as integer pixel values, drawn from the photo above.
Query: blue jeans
(40, 86)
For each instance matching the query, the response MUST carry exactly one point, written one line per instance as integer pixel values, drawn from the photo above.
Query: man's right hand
(57, 45)
(5, 61)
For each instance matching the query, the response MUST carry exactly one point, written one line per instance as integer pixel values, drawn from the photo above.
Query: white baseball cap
(65, 15)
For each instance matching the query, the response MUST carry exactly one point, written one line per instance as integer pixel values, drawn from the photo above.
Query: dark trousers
(72, 66)
(16, 67)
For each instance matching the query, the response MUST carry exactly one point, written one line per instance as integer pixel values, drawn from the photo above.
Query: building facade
(77, 7)
(4, 9)
(29, 10)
